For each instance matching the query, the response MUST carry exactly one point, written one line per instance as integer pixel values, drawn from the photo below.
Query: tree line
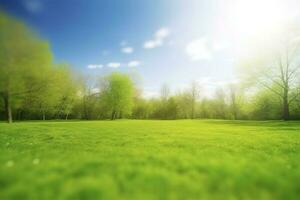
(33, 87)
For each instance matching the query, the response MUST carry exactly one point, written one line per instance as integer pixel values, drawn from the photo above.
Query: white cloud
(162, 33)
(94, 66)
(198, 50)
(158, 39)
(127, 50)
(114, 64)
(33, 6)
(152, 44)
(134, 63)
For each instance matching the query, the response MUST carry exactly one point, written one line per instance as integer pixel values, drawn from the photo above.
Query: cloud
(158, 39)
(198, 50)
(150, 44)
(94, 66)
(33, 6)
(134, 63)
(153, 44)
(114, 64)
(127, 50)
(203, 49)
(162, 33)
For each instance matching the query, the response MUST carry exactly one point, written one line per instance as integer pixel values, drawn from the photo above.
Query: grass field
(125, 159)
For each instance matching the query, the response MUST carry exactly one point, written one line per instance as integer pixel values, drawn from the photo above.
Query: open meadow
(149, 100)
(145, 159)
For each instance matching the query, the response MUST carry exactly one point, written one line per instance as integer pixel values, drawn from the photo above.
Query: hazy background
(165, 41)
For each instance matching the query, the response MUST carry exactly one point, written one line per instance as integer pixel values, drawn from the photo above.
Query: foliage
(117, 90)
(265, 105)
(23, 57)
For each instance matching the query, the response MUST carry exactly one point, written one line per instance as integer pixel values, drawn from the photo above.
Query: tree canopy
(25, 61)
(118, 92)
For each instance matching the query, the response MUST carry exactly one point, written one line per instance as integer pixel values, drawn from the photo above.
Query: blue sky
(165, 41)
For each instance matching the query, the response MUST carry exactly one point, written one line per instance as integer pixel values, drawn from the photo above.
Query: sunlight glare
(258, 18)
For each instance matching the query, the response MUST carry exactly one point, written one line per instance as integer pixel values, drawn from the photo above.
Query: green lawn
(130, 159)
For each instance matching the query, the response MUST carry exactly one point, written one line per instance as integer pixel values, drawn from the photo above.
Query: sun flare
(258, 18)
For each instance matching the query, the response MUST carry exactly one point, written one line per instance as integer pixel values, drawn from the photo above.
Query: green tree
(274, 65)
(219, 104)
(235, 101)
(88, 105)
(141, 108)
(183, 101)
(264, 105)
(24, 61)
(295, 105)
(45, 101)
(68, 91)
(194, 94)
(117, 90)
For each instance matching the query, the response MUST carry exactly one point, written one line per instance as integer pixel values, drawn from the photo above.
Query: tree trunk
(234, 111)
(44, 116)
(67, 115)
(285, 104)
(235, 114)
(7, 107)
(193, 109)
(113, 115)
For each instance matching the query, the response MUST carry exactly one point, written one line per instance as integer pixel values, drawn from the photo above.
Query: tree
(219, 104)
(89, 98)
(275, 65)
(171, 109)
(166, 107)
(194, 95)
(141, 108)
(68, 88)
(235, 100)
(183, 101)
(46, 100)
(165, 92)
(24, 61)
(264, 105)
(118, 92)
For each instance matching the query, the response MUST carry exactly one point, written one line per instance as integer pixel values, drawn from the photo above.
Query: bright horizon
(165, 42)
